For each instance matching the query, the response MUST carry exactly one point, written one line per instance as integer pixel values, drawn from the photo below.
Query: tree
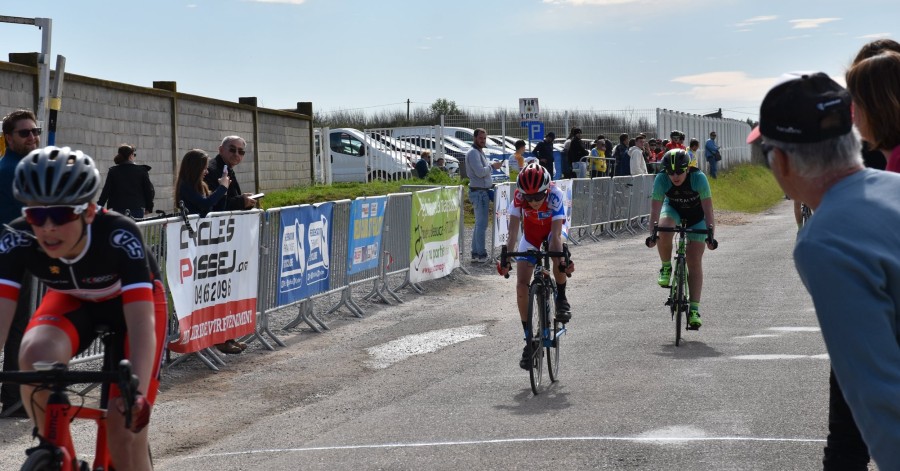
(443, 106)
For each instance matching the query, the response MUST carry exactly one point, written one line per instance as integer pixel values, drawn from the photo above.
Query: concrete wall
(98, 115)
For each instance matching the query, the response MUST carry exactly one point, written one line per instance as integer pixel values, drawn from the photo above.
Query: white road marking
(507, 440)
(779, 357)
(756, 336)
(387, 354)
(796, 329)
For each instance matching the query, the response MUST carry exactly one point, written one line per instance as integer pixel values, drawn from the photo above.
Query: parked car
(356, 157)
(452, 154)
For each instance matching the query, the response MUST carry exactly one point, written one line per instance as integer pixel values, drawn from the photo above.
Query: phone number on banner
(211, 292)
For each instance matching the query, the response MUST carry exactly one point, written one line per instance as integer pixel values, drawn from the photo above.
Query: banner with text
(305, 252)
(434, 230)
(366, 218)
(503, 194)
(212, 275)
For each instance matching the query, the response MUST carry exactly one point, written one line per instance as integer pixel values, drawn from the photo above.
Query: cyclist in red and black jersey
(540, 207)
(98, 272)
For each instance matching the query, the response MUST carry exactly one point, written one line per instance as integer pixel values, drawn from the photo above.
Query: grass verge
(746, 188)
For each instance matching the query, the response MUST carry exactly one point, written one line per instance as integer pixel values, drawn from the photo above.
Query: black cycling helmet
(676, 133)
(56, 176)
(676, 161)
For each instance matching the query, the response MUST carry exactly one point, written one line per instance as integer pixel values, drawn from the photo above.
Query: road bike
(543, 330)
(678, 301)
(55, 450)
(805, 214)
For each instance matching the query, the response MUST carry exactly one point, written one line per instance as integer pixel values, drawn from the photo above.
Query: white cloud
(875, 36)
(791, 38)
(811, 22)
(757, 19)
(590, 2)
(726, 86)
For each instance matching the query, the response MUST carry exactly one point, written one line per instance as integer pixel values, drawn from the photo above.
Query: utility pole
(407, 110)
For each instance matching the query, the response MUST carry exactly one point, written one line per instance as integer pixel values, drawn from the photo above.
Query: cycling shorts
(670, 212)
(79, 320)
(525, 246)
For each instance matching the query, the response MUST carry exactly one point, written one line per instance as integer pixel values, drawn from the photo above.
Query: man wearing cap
(712, 154)
(544, 151)
(847, 255)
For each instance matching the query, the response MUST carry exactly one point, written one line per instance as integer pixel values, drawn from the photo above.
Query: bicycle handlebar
(540, 255)
(681, 229)
(57, 376)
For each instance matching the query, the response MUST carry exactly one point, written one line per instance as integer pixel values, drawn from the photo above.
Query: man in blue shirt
(712, 155)
(847, 255)
(22, 135)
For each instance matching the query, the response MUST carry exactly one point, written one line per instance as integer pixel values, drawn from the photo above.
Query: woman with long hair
(192, 190)
(128, 189)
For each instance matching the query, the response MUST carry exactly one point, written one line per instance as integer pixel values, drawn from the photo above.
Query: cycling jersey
(536, 223)
(685, 199)
(114, 262)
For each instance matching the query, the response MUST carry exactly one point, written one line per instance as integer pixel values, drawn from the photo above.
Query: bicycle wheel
(680, 302)
(553, 327)
(42, 459)
(536, 309)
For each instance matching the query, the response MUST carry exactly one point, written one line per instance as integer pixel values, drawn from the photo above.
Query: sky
(694, 56)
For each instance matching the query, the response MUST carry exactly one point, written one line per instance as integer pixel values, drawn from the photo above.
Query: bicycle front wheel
(42, 459)
(536, 311)
(680, 302)
(553, 328)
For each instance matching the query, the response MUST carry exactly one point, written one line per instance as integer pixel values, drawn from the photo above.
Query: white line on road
(779, 357)
(387, 354)
(507, 440)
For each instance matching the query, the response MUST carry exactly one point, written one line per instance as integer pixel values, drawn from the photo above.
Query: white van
(356, 157)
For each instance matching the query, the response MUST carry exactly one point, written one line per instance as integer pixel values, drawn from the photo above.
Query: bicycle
(678, 301)
(805, 214)
(541, 334)
(55, 451)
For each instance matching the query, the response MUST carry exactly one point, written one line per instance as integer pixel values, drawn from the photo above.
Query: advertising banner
(305, 252)
(212, 275)
(434, 248)
(502, 197)
(366, 222)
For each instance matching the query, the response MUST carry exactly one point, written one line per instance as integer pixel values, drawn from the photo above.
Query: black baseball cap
(551, 135)
(804, 107)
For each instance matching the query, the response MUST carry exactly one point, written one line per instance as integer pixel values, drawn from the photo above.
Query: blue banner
(366, 217)
(305, 252)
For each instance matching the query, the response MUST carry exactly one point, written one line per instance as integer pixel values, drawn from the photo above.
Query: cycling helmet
(676, 133)
(56, 176)
(533, 179)
(675, 161)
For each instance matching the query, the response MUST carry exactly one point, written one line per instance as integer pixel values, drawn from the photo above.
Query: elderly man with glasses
(848, 253)
(231, 154)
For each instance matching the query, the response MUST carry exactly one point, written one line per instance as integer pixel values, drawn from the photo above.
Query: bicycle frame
(59, 412)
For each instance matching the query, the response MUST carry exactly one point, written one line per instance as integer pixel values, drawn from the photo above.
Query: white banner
(212, 275)
(503, 194)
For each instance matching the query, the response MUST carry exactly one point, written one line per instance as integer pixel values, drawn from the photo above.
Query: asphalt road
(434, 383)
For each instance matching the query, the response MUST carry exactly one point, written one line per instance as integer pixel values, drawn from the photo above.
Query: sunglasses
(535, 197)
(669, 171)
(234, 150)
(24, 133)
(766, 149)
(38, 215)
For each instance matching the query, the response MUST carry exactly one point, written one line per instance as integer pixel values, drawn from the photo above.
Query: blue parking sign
(535, 130)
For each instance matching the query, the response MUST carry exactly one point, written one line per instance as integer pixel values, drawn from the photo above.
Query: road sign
(535, 131)
(529, 109)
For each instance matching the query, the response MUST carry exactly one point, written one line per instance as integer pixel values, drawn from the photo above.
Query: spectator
(656, 155)
(231, 153)
(598, 157)
(844, 245)
(575, 152)
(191, 188)
(440, 164)
(21, 136)
(712, 155)
(676, 140)
(636, 156)
(544, 152)
(520, 154)
(479, 170)
(423, 164)
(128, 189)
(622, 159)
(874, 82)
(693, 148)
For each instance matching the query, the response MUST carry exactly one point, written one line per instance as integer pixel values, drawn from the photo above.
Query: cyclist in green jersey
(681, 192)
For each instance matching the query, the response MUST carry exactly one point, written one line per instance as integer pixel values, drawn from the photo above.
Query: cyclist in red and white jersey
(98, 272)
(540, 207)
